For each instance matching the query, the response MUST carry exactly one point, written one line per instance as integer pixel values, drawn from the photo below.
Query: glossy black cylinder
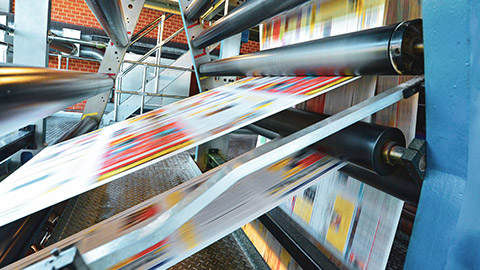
(360, 143)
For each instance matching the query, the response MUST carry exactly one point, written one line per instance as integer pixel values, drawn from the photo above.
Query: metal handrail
(160, 66)
(138, 37)
(149, 94)
(145, 56)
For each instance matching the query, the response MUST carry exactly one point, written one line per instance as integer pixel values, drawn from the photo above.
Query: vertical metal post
(67, 62)
(118, 88)
(446, 234)
(32, 22)
(144, 82)
(158, 57)
(59, 61)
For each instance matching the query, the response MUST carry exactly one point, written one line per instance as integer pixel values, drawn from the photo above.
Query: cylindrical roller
(388, 50)
(197, 8)
(360, 143)
(110, 16)
(242, 18)
(28, 94)
(397, 184)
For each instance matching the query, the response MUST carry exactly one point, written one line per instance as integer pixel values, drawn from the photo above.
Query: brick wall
(249, 47)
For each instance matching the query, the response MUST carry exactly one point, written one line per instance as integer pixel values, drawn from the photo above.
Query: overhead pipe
(110, 16)
(88, 43)
(64, 47)
(242, 18)
(28, 94)
(389, 50)
(94, 53)
(197, 8)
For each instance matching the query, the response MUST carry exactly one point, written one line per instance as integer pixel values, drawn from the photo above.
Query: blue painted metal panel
(446, 230)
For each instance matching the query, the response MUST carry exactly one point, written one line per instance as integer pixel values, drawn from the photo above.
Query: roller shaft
(110, 16)
(29, 94)
(242, 18)
(361, 143)
(388, 50)
(197, 8)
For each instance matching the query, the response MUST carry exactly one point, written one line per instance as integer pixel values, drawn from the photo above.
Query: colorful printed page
(67, 169)
(243, 202)
(355, 222)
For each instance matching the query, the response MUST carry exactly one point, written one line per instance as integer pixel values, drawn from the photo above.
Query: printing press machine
(147, 223)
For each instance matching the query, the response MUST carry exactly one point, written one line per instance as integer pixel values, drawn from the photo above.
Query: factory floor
(234, 251)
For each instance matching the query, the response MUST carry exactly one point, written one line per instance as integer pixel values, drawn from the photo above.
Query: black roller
(360, 143)
(197, 8)
(388, 50)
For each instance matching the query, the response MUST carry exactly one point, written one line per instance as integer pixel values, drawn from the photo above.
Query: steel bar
(248, 15)
(385, 50)
(146, 55)
(110, 16)
(76, 57)
(144, 84)
(268, 154)
(28, 94)
(160, 66)
(134, 36)
(149, 94)
(302, 250)
(198, 7)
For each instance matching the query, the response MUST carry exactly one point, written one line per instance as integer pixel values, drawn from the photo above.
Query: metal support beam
(446, 233)
(113, 57)
(32, 22)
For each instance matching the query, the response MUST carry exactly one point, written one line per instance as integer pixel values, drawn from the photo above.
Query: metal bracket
(413, 158)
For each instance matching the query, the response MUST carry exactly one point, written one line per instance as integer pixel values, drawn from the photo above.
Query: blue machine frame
(446, 234)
